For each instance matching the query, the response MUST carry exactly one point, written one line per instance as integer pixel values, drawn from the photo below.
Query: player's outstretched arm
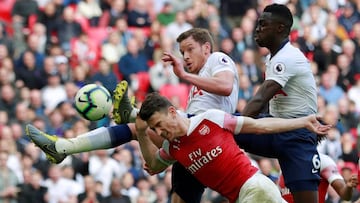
(148, 149)
(221, 83)
(277, 125)
(343, 189)
(263, 95)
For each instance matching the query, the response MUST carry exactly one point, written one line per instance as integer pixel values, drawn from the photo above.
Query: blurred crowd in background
(51, 48)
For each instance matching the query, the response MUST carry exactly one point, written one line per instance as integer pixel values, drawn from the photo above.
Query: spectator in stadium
(8, 100)
(33, 191)
(328, 89)
(237, 35)
(247, 25)
(29, 74)
(33, 45)
(227, 46)
(128, 186)
(349, 148)
(6, 41)
(89, 195)
(132, 62)
(166, 15)
(67, 28)
(138, 14)
(53, 92)
(250, 68)
(349, 16)
(60, 188)
(105, 76)
(49, 16)
(117, 11)
(354, 93)
(115, 195)
(106, 169)
(90, 10)
(22, 9)
(121, 27)
(114, 48)
(177, 27)
(325, 54)
(8, 180)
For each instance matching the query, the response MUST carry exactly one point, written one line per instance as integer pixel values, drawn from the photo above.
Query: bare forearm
(215, 85)
(275, 125)
(346, 193)
(253, 108)
(271, 125)
(149, 150)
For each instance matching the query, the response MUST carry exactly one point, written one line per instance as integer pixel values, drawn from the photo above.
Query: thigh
(186, 185)
(262, 145)
(259, 188)
(298, 153)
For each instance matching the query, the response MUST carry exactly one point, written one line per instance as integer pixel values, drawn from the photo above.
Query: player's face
(194, 54)
(265, 30)
(164, 124)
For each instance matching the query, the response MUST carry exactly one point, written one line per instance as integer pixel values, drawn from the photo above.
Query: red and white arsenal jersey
(210, 153)
(328, 173)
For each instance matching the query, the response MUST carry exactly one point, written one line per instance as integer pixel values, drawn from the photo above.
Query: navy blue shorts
(296, 152)
(185, 184)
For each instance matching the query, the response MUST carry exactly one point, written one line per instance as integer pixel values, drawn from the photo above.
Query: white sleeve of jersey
(328, 169)
(163, 154)
(219, 62)
(280, 70)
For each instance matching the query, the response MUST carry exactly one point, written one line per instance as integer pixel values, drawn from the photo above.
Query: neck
(183, 126)
(277, 46)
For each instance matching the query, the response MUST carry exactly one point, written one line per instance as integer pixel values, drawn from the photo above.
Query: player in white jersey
(290, 89)
(291, 70)
(215, 85)
(200, 100)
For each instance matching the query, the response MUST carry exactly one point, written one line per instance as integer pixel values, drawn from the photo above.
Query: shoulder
(220, 58)
(213, 115)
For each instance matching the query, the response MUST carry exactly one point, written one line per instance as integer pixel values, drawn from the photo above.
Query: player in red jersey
(329, 176)
(204, 144)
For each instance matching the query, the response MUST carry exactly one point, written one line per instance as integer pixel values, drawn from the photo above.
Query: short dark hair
(200, 35)
(281, 11)
(153, 102)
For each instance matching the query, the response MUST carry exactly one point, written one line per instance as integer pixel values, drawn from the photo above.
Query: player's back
(298, 96)
(200, 100)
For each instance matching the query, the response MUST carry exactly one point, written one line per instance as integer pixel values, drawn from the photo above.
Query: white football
(93, 102)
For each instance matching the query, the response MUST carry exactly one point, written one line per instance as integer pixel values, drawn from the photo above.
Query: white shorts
(259, 188)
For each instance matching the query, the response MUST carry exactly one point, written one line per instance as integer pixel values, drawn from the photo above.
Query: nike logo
(48, 149)
(80, 100)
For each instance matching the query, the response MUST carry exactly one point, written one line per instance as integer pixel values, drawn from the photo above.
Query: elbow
(227, 90)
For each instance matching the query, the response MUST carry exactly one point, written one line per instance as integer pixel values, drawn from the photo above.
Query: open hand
(178, 66)
(315, 126)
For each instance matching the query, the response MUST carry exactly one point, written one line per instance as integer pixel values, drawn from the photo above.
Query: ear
(207, 47)
(172, 110)
(281, 28)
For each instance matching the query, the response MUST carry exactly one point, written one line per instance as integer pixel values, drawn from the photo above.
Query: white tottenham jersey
(291, 69)
(200, 100)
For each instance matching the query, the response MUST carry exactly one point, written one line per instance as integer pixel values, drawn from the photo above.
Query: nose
(158, 131)
(186, 56)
